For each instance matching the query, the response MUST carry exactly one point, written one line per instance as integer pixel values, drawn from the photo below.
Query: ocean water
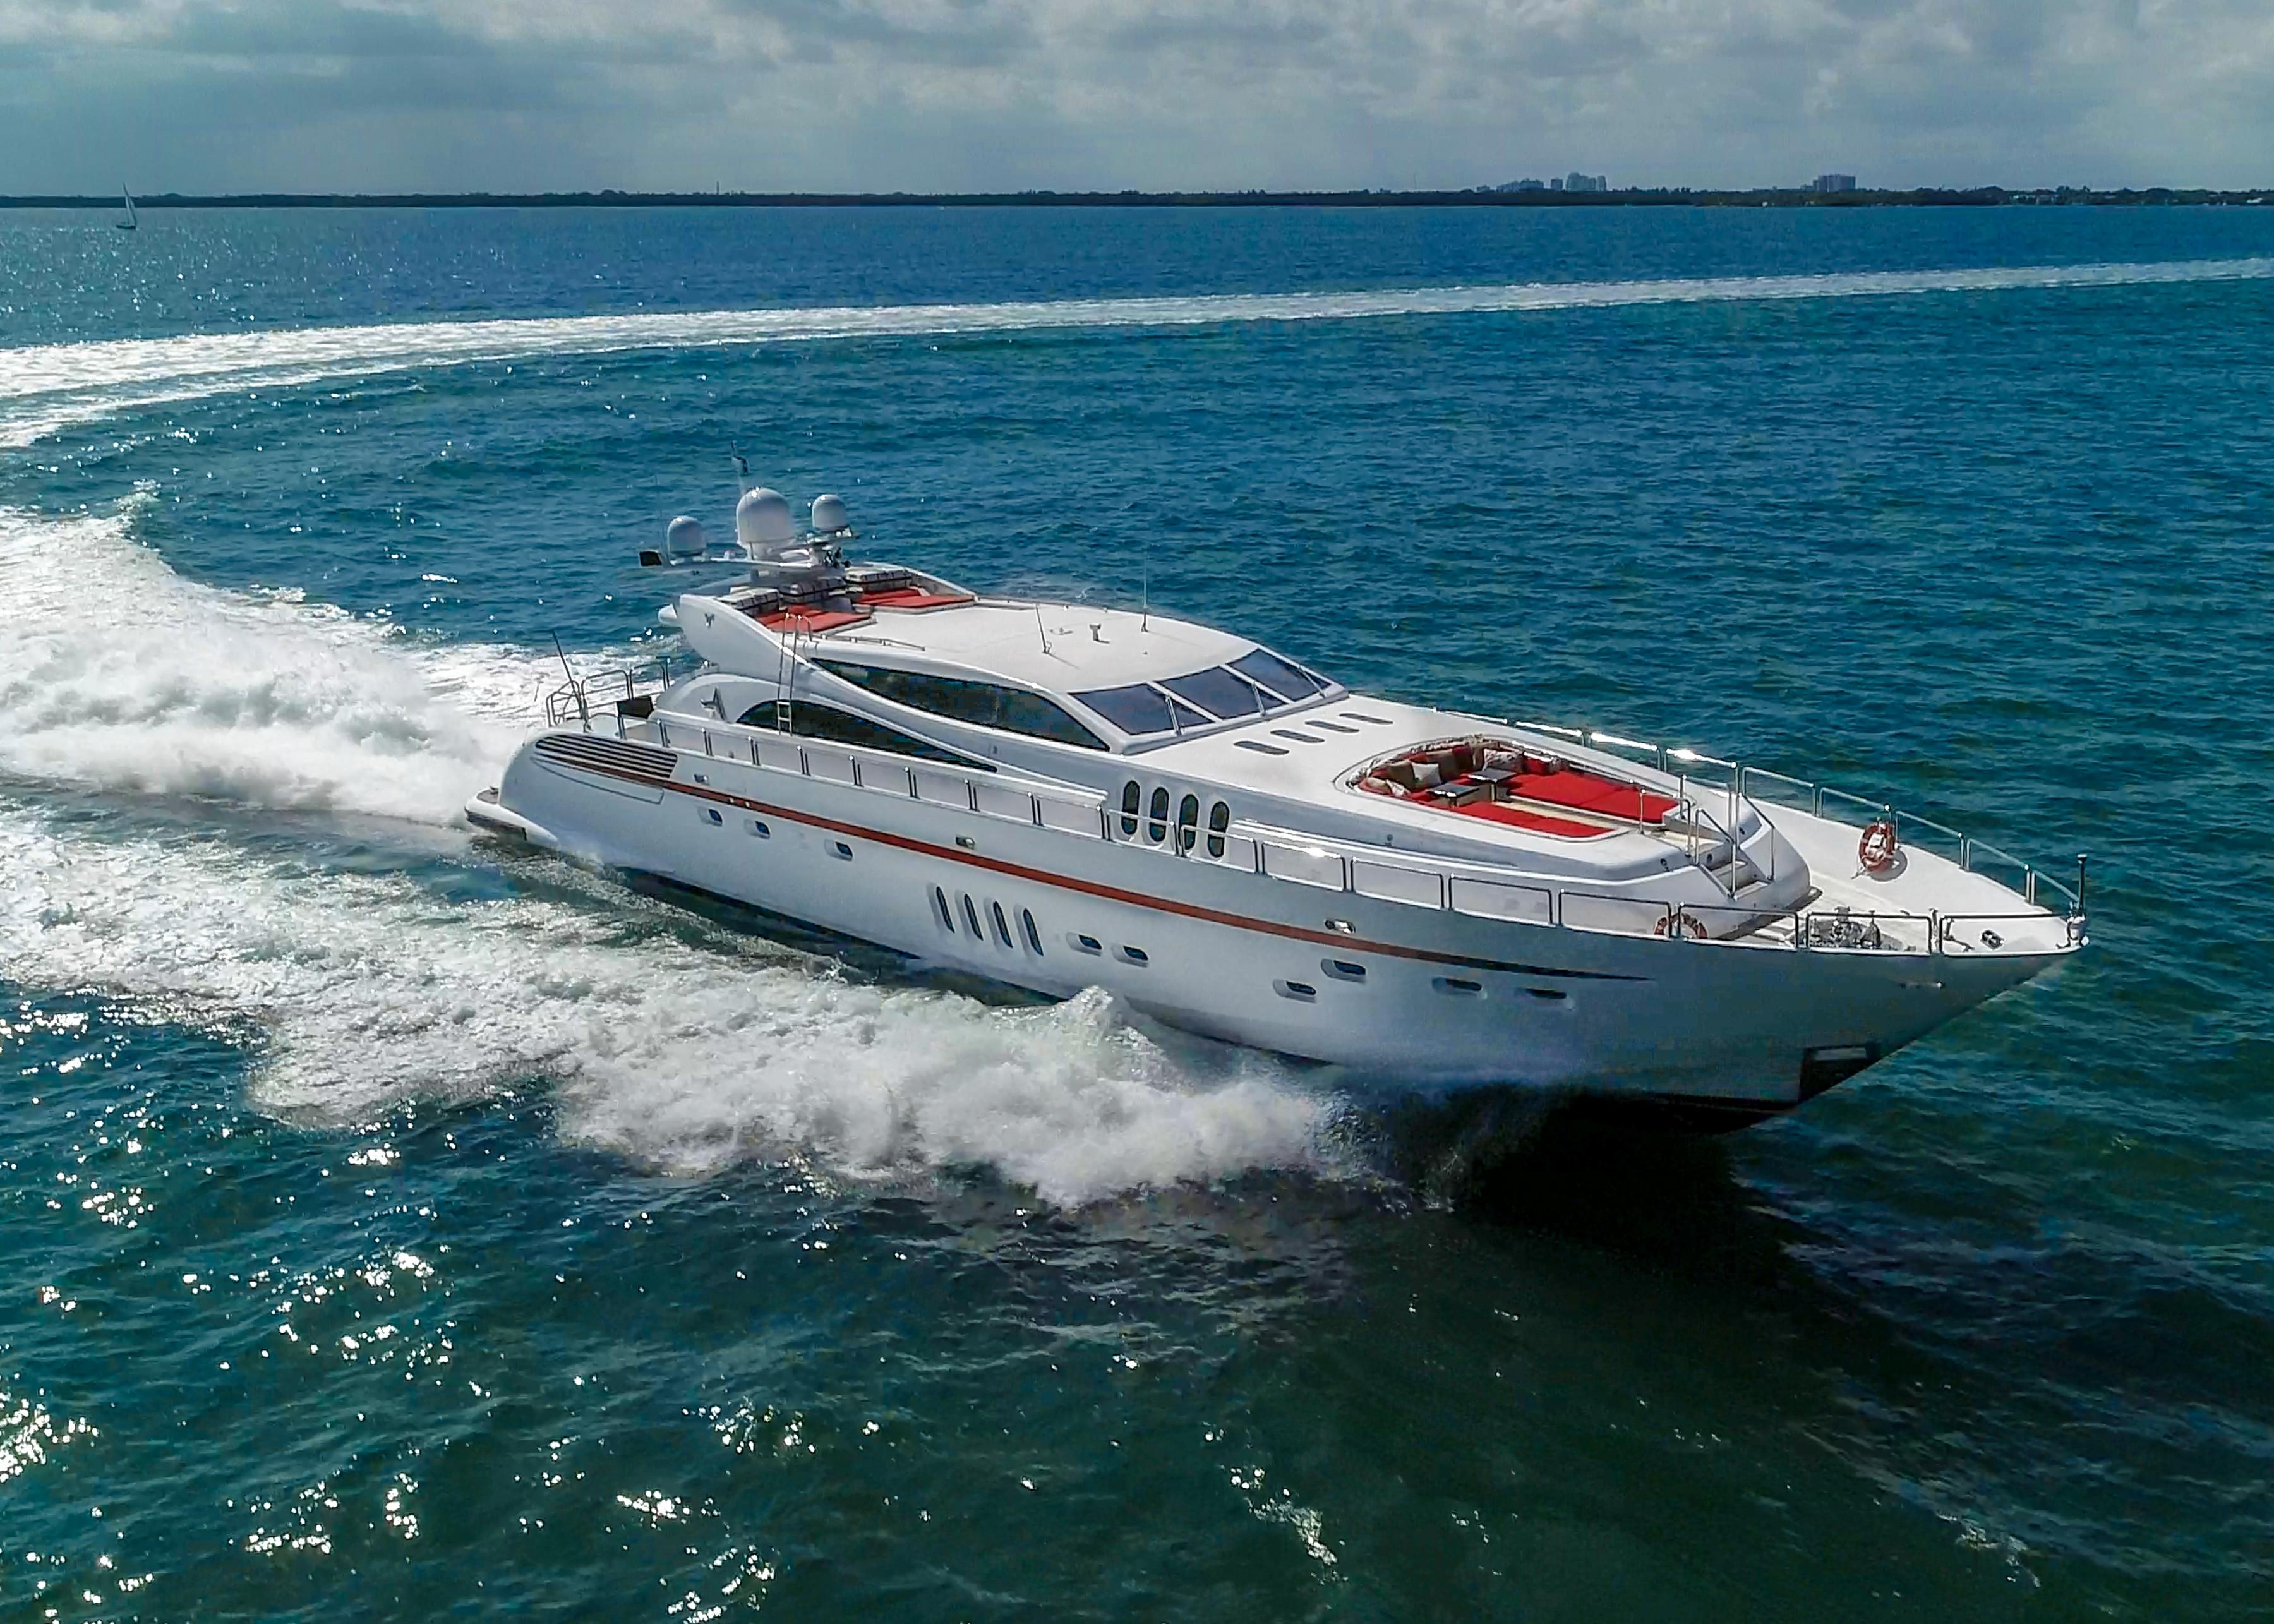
(394, 1227)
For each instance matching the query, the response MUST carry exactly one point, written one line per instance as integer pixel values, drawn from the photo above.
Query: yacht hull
(1409, 999)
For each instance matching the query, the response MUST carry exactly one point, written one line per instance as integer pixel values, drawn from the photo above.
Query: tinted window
(1136, 709)
(1280, 676)
(982, 704)
(808, 720)
(1217, 692)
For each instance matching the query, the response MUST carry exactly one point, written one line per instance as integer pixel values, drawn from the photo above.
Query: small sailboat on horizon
(129, 223)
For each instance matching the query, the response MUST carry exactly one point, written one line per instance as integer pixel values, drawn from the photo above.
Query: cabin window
(1157, 827)
(981, 704)
(971, 918)
(1219, 820)
(1002, 925)
(1188, 819)
(1283, 678)
(1033, 934)
(939, 905)
(808, 720)
(1131, 796)
(1217, 692)
(1301, 992)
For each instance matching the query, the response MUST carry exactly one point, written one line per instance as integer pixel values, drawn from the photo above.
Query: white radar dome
(829, 515)
(684, 537)
(762, 519)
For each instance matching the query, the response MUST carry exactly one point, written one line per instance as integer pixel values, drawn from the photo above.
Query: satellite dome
(762, 519)
(829, 515)
(684, 537)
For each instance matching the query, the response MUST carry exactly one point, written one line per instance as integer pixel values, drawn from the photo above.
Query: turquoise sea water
(392, 1227)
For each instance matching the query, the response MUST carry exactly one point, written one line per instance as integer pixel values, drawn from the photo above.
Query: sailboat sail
(128, 223)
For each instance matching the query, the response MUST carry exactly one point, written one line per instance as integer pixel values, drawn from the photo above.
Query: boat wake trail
(118, 674)
(45, 389)
(680, 1044)
(372, 990)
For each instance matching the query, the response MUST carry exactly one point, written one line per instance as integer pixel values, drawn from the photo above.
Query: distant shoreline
(1790, 197)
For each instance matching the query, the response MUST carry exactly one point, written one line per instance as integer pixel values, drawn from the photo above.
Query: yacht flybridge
(1060, 796)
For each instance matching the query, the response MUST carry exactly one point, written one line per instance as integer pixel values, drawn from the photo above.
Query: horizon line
(1800, 195)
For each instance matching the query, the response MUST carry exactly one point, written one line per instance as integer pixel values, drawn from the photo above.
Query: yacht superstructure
(1060, 796)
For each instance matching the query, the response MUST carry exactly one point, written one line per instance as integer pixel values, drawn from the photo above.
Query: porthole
(1034, 935)
(1219, 820)
(1188, 819)
(1342, 970)
(712, 816)
(1360, 716)
(1156, 826)
(1458, 987)
(939, 907)
(1332, 727)
(757, 827)
(1289, 732)
(1130, 797)
(1084, 944)
(840, 849)
(1135, 955)
(1002, 925)
(1259, 747)
(971, 918)
(1549, 993)
(1301, 992)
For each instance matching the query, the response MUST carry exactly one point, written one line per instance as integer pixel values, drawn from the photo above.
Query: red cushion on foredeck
(1584, 792)
(810, 621)
(912, 598)
(1523, 817)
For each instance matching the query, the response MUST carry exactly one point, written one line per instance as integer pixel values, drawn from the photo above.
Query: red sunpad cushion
(1521, 817)
(813, 621)
(912, 598)
(1584, 792)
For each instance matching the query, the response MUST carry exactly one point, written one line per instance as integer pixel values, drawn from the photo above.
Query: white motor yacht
(1060, 796)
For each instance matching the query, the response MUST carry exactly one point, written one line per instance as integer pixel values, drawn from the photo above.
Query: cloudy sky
(209, 96)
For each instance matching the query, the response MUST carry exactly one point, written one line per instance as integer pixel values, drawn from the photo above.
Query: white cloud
(920, 94)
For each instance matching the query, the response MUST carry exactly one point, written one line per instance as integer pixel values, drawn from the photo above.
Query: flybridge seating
(1504, 783)
(810, 608)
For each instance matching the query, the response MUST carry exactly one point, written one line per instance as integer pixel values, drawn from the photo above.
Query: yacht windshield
(1137, 709)
(1217, 692)
(1283, 678)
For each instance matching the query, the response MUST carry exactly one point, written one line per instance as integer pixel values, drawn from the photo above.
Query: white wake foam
(47, 388)
(372, 988)
(117, 673)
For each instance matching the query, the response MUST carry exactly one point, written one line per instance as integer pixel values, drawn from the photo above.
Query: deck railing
(2032, 885)
(1476, 890)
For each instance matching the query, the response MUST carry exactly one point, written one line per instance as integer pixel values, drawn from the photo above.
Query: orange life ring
(1876, 851)
(1682, 922)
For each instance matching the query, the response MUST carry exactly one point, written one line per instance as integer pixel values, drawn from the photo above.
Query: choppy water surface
(393, 1226)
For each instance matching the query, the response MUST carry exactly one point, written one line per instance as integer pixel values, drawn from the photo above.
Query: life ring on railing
(1876, 851)
(1682, 922)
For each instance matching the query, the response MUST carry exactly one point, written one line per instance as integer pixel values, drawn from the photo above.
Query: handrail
(2033, 879)
(1468, 886)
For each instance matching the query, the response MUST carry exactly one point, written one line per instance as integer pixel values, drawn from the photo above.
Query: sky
(923, 95)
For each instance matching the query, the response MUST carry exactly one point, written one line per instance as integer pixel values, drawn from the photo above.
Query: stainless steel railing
(1477, 890)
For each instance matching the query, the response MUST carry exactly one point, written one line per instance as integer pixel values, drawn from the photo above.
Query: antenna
(1145, 589)
(742, 470)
